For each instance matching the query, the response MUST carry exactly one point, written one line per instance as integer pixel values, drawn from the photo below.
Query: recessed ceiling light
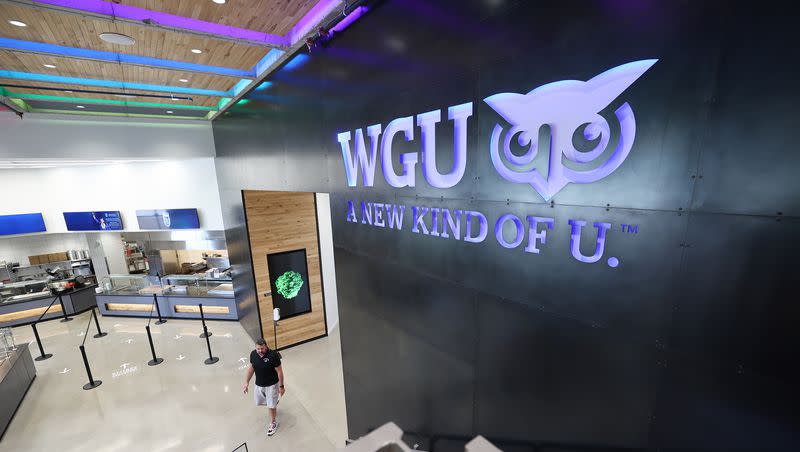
(51, 66)
(170, 111)
(219, 2)
(116, 38)
(17, 23)
(80, 106)
(197, 51)
(67, 90)
(183, 80)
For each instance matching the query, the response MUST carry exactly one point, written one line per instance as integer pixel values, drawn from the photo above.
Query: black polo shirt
(265, 367)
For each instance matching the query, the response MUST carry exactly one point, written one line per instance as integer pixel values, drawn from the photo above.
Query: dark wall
(686, 344)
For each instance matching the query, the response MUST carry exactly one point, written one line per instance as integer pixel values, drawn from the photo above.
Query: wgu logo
(565, 107)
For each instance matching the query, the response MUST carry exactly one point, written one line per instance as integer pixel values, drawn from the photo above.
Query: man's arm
(247, 378)
(279, 369)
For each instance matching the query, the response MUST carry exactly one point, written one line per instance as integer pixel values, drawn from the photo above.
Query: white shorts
(267, 395)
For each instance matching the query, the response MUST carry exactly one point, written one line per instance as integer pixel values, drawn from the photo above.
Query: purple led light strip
(317, 13)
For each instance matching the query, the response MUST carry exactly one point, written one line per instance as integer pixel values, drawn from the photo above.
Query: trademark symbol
(630, 228)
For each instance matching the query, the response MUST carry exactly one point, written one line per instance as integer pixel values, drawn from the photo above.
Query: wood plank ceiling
(177, 75)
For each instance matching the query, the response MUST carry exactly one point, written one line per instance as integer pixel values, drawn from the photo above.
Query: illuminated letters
(408, 160)
(427, 123)
(534, 235)
(483, 227)
(575, 241)
(360, 157)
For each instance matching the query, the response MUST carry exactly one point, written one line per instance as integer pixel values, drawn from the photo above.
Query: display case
(199, 284)
(178, 296)
(24, 290)
(130, 285)
(7, 344)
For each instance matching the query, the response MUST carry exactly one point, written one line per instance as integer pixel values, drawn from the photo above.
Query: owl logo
(566, 107)
(165, 218)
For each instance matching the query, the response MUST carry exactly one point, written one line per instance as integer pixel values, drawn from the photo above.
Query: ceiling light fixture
(170, 111)
(80, 106)
(219, 2)
(17, 23)
(51, 66)
(118, 39)
(183, 80)
(197, 51)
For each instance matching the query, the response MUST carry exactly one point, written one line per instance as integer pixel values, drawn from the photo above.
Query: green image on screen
(289, 284)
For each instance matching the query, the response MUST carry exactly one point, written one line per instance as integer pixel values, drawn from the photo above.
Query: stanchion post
(92, 382)
(156, 360)
(206, 333)
(42, 355)
(97, 324)
(63, 310)
(158, 310)
(211, 358)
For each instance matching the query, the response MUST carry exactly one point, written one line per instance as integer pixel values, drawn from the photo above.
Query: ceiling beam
(111, 12)
(40, 48)
(49, 78)
(324, 14)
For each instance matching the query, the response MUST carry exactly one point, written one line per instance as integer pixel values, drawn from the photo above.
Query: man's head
(261, 346)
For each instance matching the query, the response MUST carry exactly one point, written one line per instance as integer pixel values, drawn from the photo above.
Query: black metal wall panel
(685, 343)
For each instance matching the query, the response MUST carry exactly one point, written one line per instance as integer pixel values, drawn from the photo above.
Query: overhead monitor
(93, 221)
(23, 223)
(168, 219)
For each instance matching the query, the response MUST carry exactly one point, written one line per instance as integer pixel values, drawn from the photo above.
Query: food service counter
(217, 304)
(23, 312)
(16, 375)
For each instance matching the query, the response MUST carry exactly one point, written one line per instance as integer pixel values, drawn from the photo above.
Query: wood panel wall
(284, 221)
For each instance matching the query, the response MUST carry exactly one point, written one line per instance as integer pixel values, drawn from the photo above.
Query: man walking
(266, 364)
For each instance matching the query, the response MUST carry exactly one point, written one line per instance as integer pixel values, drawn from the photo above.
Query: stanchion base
(155, 362)
(203, 336)
(211, 360)
(161, 322)
(99, 335)
(68, 319)
(92, 385)
(44, 357)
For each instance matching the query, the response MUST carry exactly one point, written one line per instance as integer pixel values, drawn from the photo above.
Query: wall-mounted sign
(569, 108)
(24, 223)
(168, 219)
(93, 221)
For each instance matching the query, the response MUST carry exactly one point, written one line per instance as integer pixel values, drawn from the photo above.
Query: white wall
(18, 248)
(328, 265)
(171, 184)
(92, 137)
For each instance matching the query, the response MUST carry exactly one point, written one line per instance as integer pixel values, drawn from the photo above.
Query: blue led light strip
(111, 83)
(51, 49)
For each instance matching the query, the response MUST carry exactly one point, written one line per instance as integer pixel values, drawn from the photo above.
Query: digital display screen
(168, 219)
(23, 223)
(93, 221)
(288, 277)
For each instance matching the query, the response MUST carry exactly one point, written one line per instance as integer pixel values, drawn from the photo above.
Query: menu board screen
(93, 221)
(23, 223)
(168, 219)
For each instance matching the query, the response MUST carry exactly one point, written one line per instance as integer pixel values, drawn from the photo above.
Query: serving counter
(134, 296)
(27, 310)
(16, 375)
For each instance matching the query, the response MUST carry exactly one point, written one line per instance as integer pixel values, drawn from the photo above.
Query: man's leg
(273, 413)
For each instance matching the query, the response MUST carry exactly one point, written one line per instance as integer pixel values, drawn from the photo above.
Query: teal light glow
(111, 83)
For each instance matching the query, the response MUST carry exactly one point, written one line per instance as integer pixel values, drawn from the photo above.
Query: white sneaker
(272, 427)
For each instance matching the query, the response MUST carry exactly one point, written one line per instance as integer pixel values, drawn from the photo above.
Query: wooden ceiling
(76, 29)
(269, 16)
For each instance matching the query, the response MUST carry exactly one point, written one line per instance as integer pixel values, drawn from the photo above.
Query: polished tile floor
(180, 405)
